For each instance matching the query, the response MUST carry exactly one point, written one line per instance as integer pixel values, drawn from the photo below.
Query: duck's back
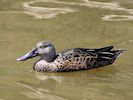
(84, 58)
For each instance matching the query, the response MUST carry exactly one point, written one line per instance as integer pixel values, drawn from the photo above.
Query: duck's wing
(78, 58)
(82, 52)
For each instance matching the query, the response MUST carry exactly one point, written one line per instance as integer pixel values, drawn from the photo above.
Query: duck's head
(44, 49)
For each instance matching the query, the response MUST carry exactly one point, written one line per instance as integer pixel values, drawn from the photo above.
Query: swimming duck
(70, 59)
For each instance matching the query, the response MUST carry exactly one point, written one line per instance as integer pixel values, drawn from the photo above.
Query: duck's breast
(44, 66)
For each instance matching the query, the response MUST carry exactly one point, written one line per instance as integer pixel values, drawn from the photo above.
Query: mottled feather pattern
(75, 59)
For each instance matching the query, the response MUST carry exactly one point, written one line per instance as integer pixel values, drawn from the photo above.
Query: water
(74, 23)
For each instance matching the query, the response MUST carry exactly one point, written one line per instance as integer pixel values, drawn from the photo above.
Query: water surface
(67, 24)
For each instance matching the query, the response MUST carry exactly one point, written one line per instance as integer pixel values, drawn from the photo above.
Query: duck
(74, 59)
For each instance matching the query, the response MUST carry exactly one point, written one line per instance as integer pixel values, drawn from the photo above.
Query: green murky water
(76, 23)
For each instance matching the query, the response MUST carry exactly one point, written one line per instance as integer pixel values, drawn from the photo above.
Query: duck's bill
(28, 55)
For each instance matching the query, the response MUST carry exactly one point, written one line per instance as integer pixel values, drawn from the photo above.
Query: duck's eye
(40, 46)
(43, 46)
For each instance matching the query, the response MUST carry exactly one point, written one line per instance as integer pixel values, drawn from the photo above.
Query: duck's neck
(49, 57)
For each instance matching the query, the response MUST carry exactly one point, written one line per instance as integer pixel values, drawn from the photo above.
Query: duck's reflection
(51, 84)
(77, 78)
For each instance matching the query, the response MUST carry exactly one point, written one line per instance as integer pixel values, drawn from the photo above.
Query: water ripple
(48, 12)
(45, 12)
(38, 93)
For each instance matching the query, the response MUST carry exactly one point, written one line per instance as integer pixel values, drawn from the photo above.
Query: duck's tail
(119, 51)
(107, 56)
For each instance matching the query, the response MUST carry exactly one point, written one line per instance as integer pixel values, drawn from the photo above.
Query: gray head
(44, 49)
